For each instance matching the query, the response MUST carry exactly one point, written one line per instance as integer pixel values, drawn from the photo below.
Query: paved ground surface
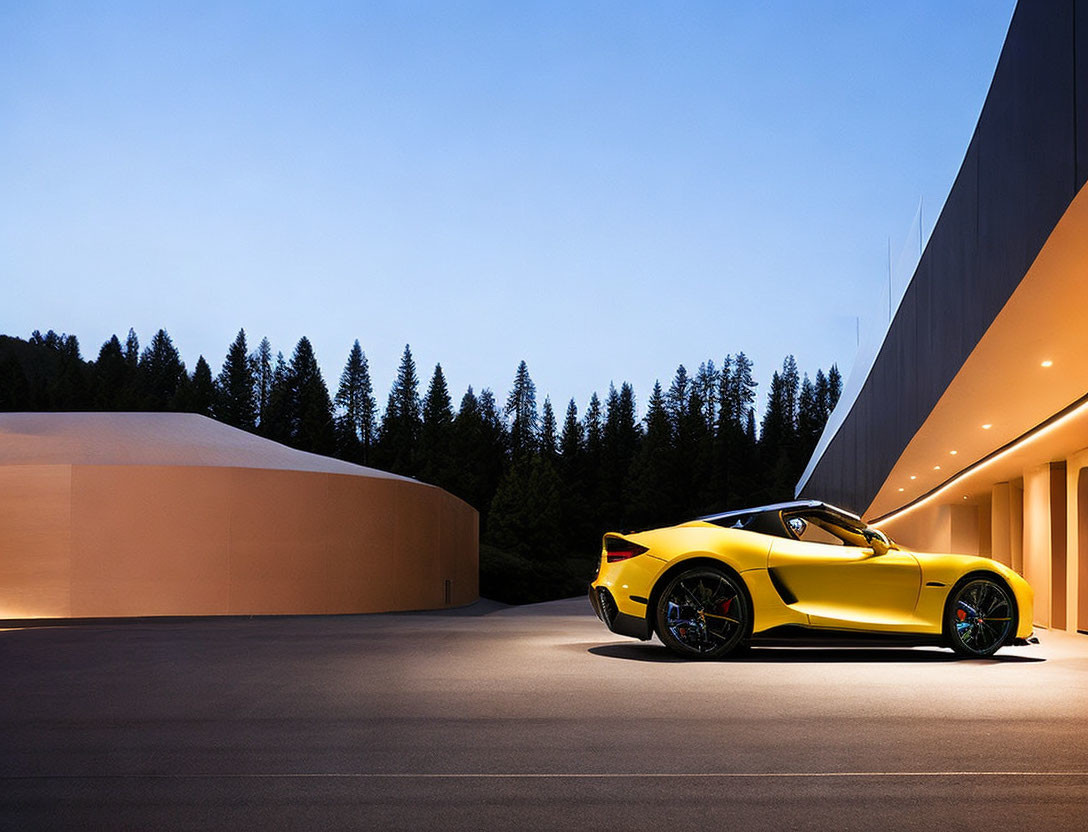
(527, 718)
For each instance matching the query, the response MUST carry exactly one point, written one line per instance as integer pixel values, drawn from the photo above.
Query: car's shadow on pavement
(809, 655)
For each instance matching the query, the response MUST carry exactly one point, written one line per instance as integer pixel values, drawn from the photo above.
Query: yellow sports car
(708, 586)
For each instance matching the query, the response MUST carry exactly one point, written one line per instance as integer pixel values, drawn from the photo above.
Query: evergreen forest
(547, 481)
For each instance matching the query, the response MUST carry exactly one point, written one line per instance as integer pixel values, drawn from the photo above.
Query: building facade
(139, 514)
(969, 432)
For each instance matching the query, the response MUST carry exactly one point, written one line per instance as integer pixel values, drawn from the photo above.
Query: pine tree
(694, 452)
(548, 430)
(489, 414)
(466, 480)
(491, 456)
(160, 372)
(707, 382)
(773, 428)
(676, 401)
(726, 433)
(650, 497)
(820, 389)
(593, 428)
(521, 408)
(791, 386)
(402, 419)
(236, 405)
(834, 387)
(69, 387)
(111, 376)
(355, 398)
(132, 350)
(570, 443)
(436, 432)
(619, 444)
(744, 386)
(735, 464)
(276, 421)
(680, 402)
(261, 368)
(570, 464)
(311, 412)
(776, 441)
(199, 395)
(810, 420)
(745, 482)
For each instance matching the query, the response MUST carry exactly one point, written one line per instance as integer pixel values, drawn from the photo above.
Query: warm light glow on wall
(987, 427)
(1029, 437)
(1047, 363)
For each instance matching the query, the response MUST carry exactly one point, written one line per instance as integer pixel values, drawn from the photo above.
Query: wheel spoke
(722, 593)
(694, 600)
(720, 617)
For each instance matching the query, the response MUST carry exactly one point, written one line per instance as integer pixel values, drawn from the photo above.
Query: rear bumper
(620, 623)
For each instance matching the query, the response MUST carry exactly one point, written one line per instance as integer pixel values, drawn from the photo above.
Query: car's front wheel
(979, 617)
(703, 613)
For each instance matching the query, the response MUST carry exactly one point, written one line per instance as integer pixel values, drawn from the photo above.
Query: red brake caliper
(726, 605)
(961, 615)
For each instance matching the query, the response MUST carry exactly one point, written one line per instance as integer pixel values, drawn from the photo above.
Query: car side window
(819, 527)
(814, 533)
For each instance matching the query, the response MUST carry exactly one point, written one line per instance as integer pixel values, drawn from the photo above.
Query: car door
(846, 586)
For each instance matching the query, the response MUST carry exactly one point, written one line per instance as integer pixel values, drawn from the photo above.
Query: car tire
(980, 616)
(703, 613)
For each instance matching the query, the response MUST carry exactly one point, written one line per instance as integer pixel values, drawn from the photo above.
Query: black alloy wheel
(979, 617)
(703, 613)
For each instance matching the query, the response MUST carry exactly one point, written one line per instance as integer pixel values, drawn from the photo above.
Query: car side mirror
(878, 541)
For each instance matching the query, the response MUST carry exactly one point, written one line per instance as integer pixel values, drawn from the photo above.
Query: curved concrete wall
(87, 539)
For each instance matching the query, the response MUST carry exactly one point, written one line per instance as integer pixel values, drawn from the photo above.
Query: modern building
(134, 514)
(967, 430)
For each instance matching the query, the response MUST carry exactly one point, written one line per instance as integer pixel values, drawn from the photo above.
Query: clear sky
(605, 189)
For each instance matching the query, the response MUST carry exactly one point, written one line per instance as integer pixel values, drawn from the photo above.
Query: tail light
(617, 549)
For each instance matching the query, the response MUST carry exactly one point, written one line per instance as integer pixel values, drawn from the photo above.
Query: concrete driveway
(525, 718)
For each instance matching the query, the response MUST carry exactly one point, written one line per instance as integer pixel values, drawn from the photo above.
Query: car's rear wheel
(703, 613)
(979, 617)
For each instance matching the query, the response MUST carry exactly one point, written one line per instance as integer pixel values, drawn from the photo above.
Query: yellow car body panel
(812, 584)
(745, 553)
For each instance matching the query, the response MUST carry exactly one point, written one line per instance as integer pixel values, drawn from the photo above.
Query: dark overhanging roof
(1026, 161)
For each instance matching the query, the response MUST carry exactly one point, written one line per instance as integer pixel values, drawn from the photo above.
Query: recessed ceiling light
(987, 427)
(913, 477)
(901, 489)
(1048, 363)
(953, 452)
(965, 496)
(936, 467)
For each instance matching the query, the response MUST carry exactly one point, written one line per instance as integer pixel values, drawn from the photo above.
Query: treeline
(546, 485)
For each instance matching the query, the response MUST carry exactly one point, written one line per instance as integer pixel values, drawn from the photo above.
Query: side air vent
(782, 590)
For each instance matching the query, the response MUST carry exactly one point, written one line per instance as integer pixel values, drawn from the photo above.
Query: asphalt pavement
(525, 718)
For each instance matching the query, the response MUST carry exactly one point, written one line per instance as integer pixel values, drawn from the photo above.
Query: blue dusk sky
(605, 189)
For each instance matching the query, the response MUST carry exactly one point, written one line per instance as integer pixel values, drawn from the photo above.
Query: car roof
(777, 508)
